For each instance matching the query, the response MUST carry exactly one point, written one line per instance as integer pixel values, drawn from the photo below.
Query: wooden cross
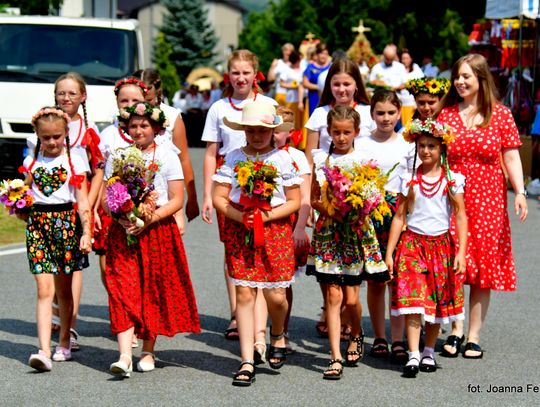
(361, 29)
(310, 36)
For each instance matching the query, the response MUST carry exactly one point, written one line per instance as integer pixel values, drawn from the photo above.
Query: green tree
(36, 7)
(188, 31)
(170, 82)
(426, 27)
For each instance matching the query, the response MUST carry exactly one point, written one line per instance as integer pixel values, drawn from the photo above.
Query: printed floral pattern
(52, 242)
(49, 181)
(426, 282)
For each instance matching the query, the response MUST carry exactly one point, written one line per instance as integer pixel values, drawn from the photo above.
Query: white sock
(429, 354)
(414, 358)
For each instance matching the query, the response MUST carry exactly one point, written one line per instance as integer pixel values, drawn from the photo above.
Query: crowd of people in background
(443, 139)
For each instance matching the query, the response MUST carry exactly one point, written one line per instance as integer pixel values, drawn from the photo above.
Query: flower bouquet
(16, 196)
(357, 194)
(130, 190)
(257, 181)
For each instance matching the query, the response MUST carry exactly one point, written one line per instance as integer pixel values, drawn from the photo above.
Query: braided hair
(339, 114)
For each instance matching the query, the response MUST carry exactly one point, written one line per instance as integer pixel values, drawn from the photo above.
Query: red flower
(127, 207)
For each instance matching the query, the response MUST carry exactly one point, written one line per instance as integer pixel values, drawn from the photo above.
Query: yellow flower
(113, 180)
(268, 189)
(243, 176)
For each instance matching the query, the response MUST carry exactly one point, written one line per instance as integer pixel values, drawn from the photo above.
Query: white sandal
(259, 353)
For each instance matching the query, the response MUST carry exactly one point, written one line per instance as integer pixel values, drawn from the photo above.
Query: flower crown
(130, 81)
(154, 114)
(45, 111)
(430, 127)
(433, 86)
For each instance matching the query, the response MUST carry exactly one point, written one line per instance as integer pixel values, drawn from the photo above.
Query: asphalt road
(197, 369)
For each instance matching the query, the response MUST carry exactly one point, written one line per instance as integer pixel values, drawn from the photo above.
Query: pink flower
(140, 109)
(21, 203)
(258, 187)
(117, 196)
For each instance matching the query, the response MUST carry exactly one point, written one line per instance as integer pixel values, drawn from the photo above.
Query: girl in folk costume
(70, 95)
(389, 150)
(56, 238)
(427, 93)
(176, 135)
(241, 88)
(257, 189)
(427, 268)
(147, 276)
(336, 248)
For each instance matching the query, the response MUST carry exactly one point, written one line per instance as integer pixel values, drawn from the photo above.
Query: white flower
(155, 114)
(124, 114)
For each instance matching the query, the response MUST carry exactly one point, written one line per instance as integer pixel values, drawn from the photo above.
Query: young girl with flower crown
(427, 268)
(70, 96)
(337, 250)
(257, 189)
(147, 280)
(56, 238)
(241, 88)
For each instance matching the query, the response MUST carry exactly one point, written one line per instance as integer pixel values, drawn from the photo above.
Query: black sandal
(379, 349)
(455, 342)
(358, 352)
(475, 347)
(410, 371)
(275, 352)
(334, 373)
(249, 375)
(231, 334)
(399, 354)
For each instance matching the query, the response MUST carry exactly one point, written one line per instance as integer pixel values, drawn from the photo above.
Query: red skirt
(148, 282)
(99, 244)
(269, 266)
(426, 282)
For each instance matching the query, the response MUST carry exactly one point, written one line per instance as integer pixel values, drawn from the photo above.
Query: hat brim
(242, 125)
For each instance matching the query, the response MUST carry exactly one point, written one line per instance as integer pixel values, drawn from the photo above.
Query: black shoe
(275, 352)
(475, 347)
(428, 367)
(410, 371)
(358, 352)
(334, 373)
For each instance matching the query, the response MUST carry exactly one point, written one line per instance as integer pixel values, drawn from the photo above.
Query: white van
(35, 50)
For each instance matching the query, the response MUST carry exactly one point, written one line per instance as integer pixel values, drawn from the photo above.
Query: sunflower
(243, 176)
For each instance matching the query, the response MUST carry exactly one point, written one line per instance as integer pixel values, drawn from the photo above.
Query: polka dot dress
(476, 154)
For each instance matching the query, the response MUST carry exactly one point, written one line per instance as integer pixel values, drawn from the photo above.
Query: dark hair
(406, 51)
(321, 47)
(487, 91)
(294, 57)
(382, 96)
(347, 66)
(152, 79)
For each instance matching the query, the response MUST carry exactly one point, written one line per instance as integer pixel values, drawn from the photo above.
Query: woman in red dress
(485, 132)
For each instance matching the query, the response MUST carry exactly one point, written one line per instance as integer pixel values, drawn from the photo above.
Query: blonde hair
(74, 76)
(286, 114)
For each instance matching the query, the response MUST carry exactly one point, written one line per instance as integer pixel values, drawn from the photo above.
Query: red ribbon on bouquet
(257, 205)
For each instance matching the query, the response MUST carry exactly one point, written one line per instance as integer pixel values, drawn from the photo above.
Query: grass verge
(11, 228)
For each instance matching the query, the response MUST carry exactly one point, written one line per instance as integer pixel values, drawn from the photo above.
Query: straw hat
(259, 114)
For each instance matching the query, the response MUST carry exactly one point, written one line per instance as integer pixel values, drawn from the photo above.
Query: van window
(39, 53)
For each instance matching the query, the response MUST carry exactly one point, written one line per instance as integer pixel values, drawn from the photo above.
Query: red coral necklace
(240, 108)
(429, 189)
(79, 135)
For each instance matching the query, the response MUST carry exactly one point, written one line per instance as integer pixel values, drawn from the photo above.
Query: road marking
(12, 251)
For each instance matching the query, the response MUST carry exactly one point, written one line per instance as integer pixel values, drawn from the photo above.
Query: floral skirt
(148, 282)
(337, 257)
(269, 266)
(426, 282)
(53, 234)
